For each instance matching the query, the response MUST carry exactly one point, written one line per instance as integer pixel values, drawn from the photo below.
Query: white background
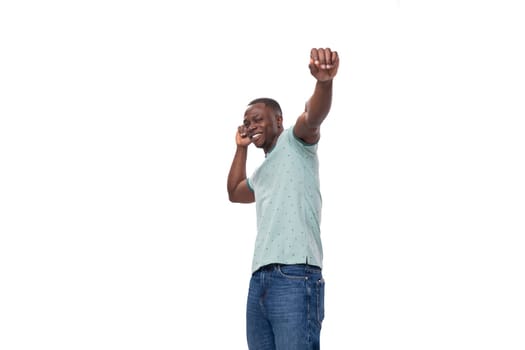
(117, 132)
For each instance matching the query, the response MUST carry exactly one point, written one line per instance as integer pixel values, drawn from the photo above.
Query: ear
(279, 120)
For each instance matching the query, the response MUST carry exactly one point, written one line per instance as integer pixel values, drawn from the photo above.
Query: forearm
(318, 106)
(238, 169)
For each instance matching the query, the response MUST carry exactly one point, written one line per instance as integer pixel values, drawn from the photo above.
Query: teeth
(256, 136)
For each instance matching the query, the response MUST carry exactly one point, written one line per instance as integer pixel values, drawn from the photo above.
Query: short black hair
(269, 102)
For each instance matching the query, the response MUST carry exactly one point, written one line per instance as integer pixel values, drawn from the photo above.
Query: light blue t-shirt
(288, 204)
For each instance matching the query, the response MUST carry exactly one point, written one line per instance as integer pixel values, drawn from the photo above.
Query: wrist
(325, 82)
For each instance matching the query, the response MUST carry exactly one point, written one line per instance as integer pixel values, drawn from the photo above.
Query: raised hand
(323, 64)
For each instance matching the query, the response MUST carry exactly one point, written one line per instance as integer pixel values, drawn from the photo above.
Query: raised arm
(324, 64)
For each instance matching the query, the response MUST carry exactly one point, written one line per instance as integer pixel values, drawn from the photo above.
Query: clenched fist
(323, 64)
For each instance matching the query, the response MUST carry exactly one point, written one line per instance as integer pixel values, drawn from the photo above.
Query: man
(285, 305)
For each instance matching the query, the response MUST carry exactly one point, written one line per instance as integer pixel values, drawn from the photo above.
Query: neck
(272, 145)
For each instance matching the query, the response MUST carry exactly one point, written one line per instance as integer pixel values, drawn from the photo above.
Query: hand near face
(242, 139)
(324, 64)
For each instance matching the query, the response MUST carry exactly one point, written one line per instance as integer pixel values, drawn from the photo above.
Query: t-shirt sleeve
(249, 184)
(309, 148)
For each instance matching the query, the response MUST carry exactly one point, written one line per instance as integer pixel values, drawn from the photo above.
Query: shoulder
(307, 133)
(289, 137)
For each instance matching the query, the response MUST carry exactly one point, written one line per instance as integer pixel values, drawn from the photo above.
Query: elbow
(231, 197)
(240, 194)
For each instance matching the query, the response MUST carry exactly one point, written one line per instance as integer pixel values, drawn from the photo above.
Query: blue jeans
(285, 308)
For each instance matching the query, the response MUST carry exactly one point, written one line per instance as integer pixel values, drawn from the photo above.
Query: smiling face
(263, 125)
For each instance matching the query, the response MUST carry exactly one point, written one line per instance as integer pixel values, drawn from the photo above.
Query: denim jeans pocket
(294, 272)
(320, 286)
